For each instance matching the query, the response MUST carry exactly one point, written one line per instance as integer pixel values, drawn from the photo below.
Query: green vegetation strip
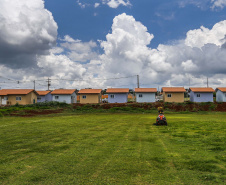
(113, 149)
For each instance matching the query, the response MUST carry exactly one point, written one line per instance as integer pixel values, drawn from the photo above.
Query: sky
(107, 43)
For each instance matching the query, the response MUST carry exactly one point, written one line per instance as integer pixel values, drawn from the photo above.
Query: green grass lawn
(113, 149)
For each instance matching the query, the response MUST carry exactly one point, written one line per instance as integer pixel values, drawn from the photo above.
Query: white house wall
(146, 97)
(220, 96)
(65, 98)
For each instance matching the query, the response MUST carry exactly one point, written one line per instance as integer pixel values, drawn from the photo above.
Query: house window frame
(56, 97)
(6, 98)
(169, 95)
(83, 96)
(18, 98)
(39, 98)
(225, 95)
(140, 95)
(198, 95)
(112, 96)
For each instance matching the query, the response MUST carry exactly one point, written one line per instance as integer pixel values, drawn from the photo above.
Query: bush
(1, 115)
(194, 109)
(190, 102)
(212, 107)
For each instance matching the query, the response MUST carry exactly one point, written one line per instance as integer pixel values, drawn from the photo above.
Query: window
(39, 98)
(225, 94)
(169, 95)
(56, 97)
(84, 97)
(112, 96)
(6, 98)
(198, 95)
(18, 98)
(72, 97)
(140, 95)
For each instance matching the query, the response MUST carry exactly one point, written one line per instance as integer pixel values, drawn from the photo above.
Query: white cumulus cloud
(202, 36)
(126, 53)
(218, 3)
(116, 3)
(79, 51)
(26, 29)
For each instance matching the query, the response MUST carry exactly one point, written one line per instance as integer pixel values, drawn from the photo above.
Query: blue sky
(167, 20)
(96, 43)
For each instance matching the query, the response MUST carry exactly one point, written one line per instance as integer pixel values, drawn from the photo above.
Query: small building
(64, 95)
(145, 94)
(90, 95)
(221, 94)
(20, 96)
(44, 96)
(173, 94)
(201, 94)
(117, 95)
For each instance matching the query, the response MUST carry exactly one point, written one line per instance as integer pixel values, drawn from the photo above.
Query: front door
(4, 101)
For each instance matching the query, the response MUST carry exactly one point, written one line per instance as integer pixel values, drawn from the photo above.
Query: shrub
(190, 102)
(212, 107)
(194, 109)
(1, 115)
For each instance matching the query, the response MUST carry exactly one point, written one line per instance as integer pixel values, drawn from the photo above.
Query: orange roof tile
(173, 89)
(63, 91)
(5, 92)
(43, 93)
(223, 89)
(201, 89)
(90, 91)
(145, 90)
(117, 90)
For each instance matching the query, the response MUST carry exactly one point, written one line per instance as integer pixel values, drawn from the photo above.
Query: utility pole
(34, 84)
(48, 83)
(138, 84)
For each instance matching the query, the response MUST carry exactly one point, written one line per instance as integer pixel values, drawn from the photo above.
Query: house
(90, 95)
(44, 96)
(201, 94)
(117, 95)
(145, 94)
(64, 95)
(173, 94)
(20, 96)
(221, 94)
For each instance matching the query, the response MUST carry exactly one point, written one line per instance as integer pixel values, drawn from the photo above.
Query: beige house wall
(175, 97)
(25, 99)
(90, 98)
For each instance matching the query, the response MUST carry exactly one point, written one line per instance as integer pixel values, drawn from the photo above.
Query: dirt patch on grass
(30, 113)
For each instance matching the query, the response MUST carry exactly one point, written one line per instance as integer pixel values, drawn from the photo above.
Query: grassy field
(113, 149)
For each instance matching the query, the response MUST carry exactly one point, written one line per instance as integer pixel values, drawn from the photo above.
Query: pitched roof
(5, 92)
(201, 89)
(43, 93)
(90, 91)
(145, 90)
(117, 90)
(223, 89)
(173, 89)
(63, 91)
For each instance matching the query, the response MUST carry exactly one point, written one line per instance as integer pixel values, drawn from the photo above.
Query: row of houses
(115, 95)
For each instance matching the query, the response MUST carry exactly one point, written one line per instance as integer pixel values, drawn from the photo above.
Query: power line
(95, 78)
